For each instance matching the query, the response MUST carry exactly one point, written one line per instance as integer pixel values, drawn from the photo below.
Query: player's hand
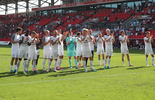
(58, 38)
(151, 36)
(112, 34)
(126, 37)
(27, 39)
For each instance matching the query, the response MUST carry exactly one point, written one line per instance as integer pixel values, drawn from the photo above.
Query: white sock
(99, 61)
(24, 65)
(34, 64)
(109, 61)
(15, 67)
(49, 63)
(129, 63)
(44, 60)
(84, 63)
(91, 64)
(152, 60)
(28, 65)
(11, 67)
(105, 62)
(146, 60)
(77, 63)
(55, 64)
(123, 62)
(18, 64)
(59, 62)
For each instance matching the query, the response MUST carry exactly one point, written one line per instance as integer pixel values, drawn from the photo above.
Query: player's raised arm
(113, 40)
(94, 40)
(37, 36)
(152, 39)
(127, 39)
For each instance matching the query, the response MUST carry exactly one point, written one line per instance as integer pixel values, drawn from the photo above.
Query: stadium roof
(3, 2)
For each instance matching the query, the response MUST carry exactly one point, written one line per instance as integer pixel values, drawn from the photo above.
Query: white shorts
(23, 54)
(14, 53)
(109, 52)
(149, 51)
(46, 53)
(38, 52)
(32, 55)
(54, 54)
(60, 52)
(124, 51)
(101, 51)
(87, 54)
(78, 52)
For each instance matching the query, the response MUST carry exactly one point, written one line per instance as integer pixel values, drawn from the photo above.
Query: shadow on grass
(132, 68)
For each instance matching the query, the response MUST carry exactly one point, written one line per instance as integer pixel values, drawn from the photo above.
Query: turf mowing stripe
(74, 78)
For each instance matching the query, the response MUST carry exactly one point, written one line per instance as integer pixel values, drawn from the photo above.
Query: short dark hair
(18, 29)
(78, 33)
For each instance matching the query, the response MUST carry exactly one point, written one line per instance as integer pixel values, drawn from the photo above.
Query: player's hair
(147, 32)
(107, 29)
(84, 29)
(33, 32)
(47, 31)
(27, 31)
(59, 29)
(90, 30)
(78, 33)
(122, 31)
(18, 29)
(55, 31)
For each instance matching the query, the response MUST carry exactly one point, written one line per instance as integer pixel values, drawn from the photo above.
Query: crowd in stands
(75, 21)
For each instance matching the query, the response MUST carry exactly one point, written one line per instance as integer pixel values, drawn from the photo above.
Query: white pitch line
(74, 78)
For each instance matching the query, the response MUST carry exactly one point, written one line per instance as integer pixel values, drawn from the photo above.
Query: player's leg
(78, 60)
(12, 60)
(70, 62)
(92, 54)
(105, 61)
(129, 60)
(99, 59)
(34, 65)
(86, 61)
(103, 58)
(16, 60)
(25, 62)
(109, 61)
(123, 59)
(55, 64)
(84, 64)
(49, 63)
(37, 62)
(28, 63)
(18, 63)
(44, 61)
(75, 60)
(147, 60)
(152, 59)
(91, 63)
(60, 61)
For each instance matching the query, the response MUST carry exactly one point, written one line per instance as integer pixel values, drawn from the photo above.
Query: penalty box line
(74, 78)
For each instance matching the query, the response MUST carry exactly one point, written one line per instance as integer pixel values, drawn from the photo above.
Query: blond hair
(47, 31)
(107, 30)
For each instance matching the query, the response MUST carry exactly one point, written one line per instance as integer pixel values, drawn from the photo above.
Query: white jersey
(108, 44)
(147, 45)
(60, 46)
(55, 46)
(15, 37)
(99, 43)
(32, 47)
(24, 43)
(78, 45)
(91, 43)
(124, 44)
(85, 44)
(46, 39)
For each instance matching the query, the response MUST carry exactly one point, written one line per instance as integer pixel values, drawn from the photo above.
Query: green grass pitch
(117, 83)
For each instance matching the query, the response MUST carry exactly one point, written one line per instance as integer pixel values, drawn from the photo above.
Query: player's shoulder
(145, 38)
(105, 36)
